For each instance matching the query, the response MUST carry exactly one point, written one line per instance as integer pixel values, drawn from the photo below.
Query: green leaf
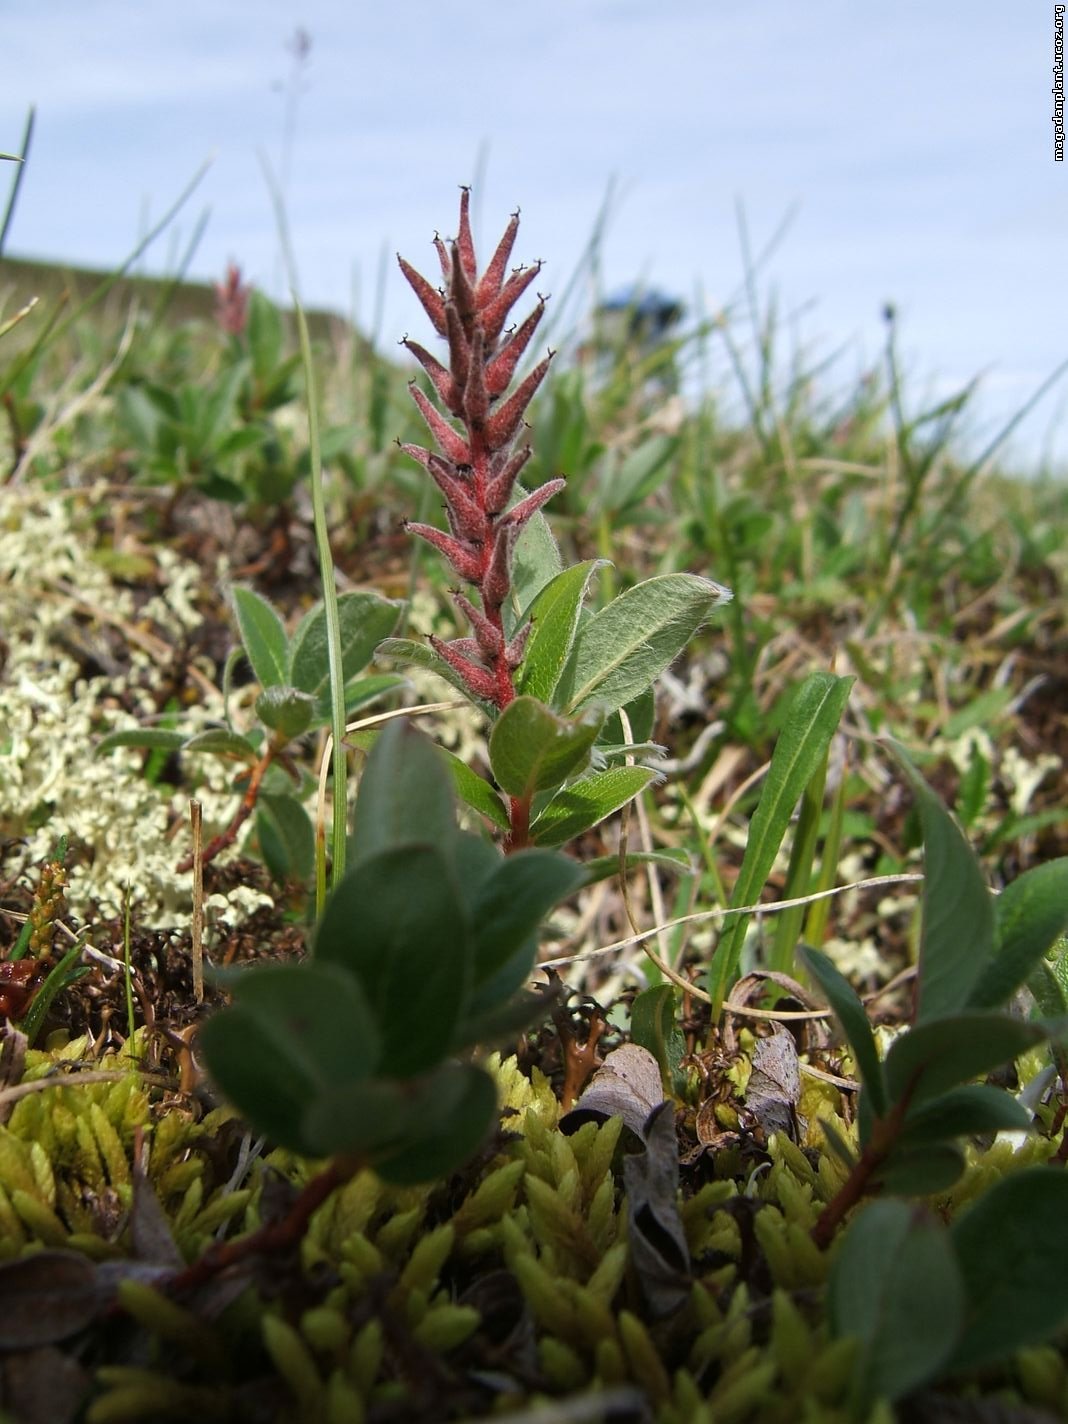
(511, 903)
(285, 710)
(365, 619)
(293, 1031)
(555, 616)
(369, 689)
(460, 1115)
(654, 1026)
(578, 807)
(1013, 1255)
(853, 1018)
(623, 648)
(941, 1053)
(958, 917)
(287, 837)
(413, 1132)
(476, 792)
(964, 1112)
(264, 334)
(155, 737)
(397, 923)
(263, 634)
(920, 1170)
(518, 1011)
(364, 1119)
(603, 867)
(812, 720)
(896, 1285)
(405, 795)
(532, 749)
(641, 472)
(218, 741)
(1031, 914)
(641, 714)
(536, 561)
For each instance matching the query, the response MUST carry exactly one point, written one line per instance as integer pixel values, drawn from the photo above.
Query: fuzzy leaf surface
(287, 837)
(935, 1056)
(476, 792)
(578, 807)
(512, 902)
(555, 615)
(365, 619)
(263, 634)
(532, 749)
(283, 1041)
(285, 709)
(624, 647)
(964, 1112)
(919, 1170)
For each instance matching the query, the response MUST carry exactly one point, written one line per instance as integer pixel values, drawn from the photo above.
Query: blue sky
(912, 140)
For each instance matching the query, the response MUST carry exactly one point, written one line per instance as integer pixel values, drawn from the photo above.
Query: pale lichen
(125, 833)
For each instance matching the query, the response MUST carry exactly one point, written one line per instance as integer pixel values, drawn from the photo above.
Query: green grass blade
(801, 748)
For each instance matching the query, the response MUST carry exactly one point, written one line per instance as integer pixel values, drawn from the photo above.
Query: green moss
(384, 1271)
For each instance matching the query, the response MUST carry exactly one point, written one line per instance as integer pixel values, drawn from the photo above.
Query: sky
(908, 146)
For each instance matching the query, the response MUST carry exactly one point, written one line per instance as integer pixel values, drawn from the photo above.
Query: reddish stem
(885, 1132)
(274, 1236)
(241, 815)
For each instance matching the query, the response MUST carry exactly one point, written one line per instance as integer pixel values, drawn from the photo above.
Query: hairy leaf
(263, 634)
(578, 807)
(623, 648)
(555, 616)
(532, 749)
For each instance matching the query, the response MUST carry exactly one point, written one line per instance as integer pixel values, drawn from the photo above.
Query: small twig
(273, 1237)
(248, 802)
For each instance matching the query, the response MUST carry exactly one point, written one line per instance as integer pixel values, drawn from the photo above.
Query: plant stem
(274, 1235)
(241, 815)
(884, 1134)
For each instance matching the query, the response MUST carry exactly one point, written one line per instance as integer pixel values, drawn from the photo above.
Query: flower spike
(477, 468)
